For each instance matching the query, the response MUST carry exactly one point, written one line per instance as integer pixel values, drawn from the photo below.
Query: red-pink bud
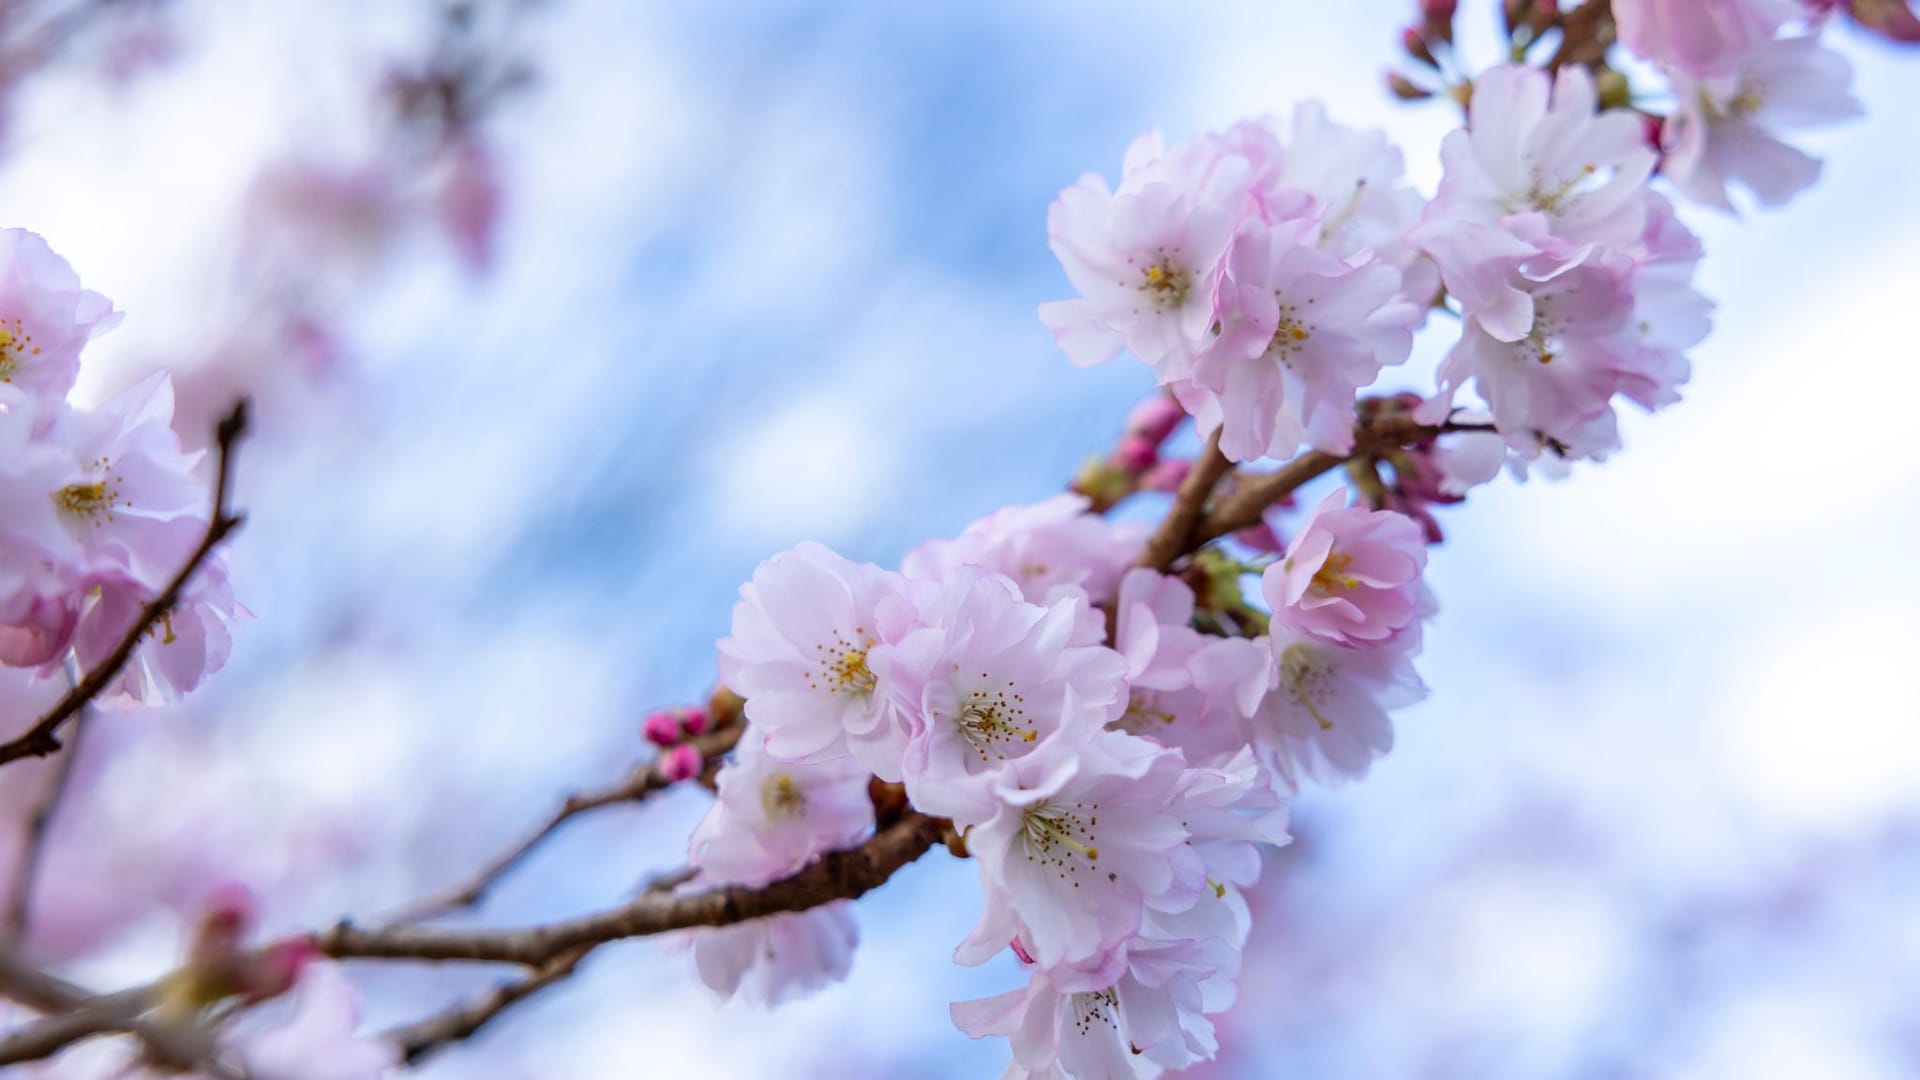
(1135, 454)
(1413, 42)
(693, 720)
(661, 728)
(278, 968)
(1166, 475)
(1155, 418)
(680, 763)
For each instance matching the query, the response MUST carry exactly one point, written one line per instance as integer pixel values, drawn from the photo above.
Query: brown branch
(26, 869)
(44, 737)
(420, 1040)
(840, 875)
(1254, 494)
(724, 709)
(173, 1044)
(1171, 539)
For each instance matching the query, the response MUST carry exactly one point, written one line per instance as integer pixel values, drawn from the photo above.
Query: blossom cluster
(99, 508)
(1113, 771)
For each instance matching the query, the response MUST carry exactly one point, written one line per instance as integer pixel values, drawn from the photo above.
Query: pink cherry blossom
(1082, 836)
(192, 641)
(1185, 689)
(1052, 549)
(1699, 37)
(1727, 129)
(320, 1040)
(1143, 260)
(1537, 157)
(1350, 576)
(777, 959)
(1298, 333)
(1326, 717)
(989, 679)
(45, 316)
(803, 633)
(770, 818)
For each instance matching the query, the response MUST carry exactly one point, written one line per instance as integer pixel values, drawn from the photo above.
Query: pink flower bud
(1414, 43)
(1155, 418)
(1135, 454)
(1166, 475)
(680, 763)
(661, 728)
(278, 968)
(693, 720)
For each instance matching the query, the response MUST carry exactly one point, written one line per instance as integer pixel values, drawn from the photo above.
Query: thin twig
(44, 737)
(417, 1041)
(26, 869)
(840, 875)
(1170, 540)
(645, 781)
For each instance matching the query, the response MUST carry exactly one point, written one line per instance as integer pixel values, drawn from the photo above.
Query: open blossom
(192, 641)
(1699, 37)
(989, 679)
(770, 818)
(1350, 576)
(1185, 689)
(1143, 260)
(1083, 836)
(1326, 716)
(1536, 157)
(1096, 1025)
(45, 316)
(779, 958)
(1298, 333)
(136, 507)
(803, 633)
(1727, 128)
(1051, 549)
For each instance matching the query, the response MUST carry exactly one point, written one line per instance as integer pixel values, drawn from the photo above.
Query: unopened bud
(1166, 475)
(1155, 418)
(693, 721)
(1102, 483)
(1135, 454)
(679, 763)
(1414, 43)
(661, 728)
(1405, 89)
(277, 969)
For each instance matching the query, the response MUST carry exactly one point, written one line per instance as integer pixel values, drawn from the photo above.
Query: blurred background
(765, 272)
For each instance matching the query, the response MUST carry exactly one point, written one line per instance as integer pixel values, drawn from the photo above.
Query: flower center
(1093, 1009)
(1165, 283)
(1289, 335)
(781, 798)
(91, 504)
(1308, 677)
(1557, 199)
(1144, 713)
(1060, 837)
(843, 665)
(16, 347)
(1332, 576)
(990, 719)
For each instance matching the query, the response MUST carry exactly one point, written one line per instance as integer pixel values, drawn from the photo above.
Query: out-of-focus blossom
(779, 958)
(1700, 37)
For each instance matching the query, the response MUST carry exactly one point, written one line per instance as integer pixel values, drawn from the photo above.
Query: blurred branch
(78, 1015)
(26, 869)
(44, 737)
(419, 1040)
(645, 781)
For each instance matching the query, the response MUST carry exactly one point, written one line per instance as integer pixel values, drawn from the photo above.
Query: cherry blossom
(45, 316)
(1727, 129)
(779, 958)
(1700, 37)
(1350, 576)
(770, 818)
(803, 634)
(1326, 717)
(1185, 689)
